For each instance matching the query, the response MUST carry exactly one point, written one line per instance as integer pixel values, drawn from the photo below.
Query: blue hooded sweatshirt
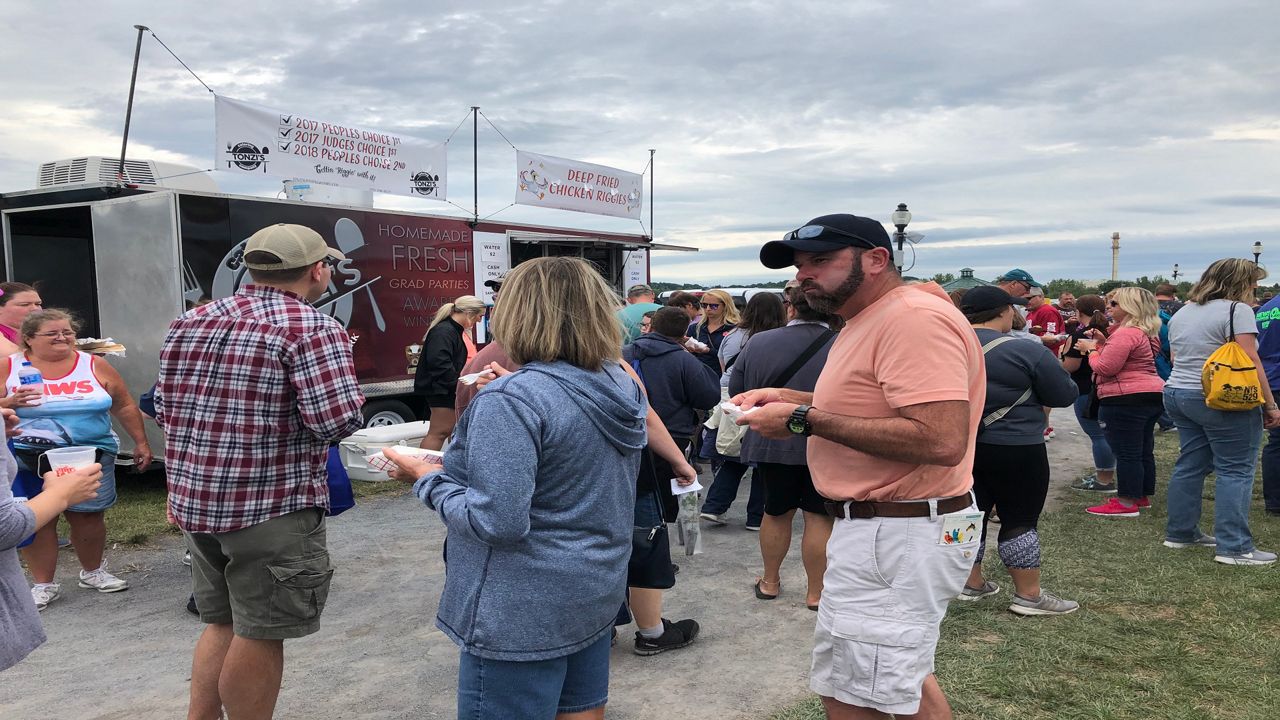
(677, 381)
(538, 494)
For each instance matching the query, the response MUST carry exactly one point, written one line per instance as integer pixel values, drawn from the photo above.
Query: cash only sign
(251, 139)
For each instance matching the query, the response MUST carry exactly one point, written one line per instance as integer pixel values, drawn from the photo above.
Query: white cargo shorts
(886, 589)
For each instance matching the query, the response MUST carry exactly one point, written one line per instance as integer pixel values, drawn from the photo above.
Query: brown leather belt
(853, 509)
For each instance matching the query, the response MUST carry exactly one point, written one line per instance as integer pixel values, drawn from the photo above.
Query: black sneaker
(674, 635)
(191, 605)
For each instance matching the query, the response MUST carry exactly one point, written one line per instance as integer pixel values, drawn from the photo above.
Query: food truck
(128, 260)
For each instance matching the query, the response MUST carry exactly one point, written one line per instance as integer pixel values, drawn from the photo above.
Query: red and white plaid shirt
(253, 388)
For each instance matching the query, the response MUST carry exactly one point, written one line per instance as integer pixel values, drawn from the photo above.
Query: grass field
(1161, 633)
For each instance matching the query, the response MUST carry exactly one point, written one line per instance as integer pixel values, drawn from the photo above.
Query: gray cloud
(1020, 133)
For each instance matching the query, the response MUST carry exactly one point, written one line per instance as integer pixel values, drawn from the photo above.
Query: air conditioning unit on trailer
(75, 171)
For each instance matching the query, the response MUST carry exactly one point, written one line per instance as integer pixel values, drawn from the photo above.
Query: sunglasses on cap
(811, 232)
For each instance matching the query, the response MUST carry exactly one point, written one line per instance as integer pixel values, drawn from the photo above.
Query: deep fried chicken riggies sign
(554, 182)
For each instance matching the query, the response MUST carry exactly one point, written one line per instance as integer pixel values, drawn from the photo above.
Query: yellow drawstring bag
(1230, 379)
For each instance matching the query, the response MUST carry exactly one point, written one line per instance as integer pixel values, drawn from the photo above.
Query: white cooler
(371, 440)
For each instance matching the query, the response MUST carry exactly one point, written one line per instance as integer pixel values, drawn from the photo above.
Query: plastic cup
(64, 461)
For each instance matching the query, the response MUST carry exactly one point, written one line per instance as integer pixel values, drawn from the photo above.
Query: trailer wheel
(387, 412)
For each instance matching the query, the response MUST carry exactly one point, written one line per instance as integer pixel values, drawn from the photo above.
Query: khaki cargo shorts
(268, 581)
(886, 589)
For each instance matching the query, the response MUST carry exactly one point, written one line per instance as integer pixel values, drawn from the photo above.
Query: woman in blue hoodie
(537, 492)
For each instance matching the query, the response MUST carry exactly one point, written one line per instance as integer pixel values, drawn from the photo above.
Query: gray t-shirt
(729, 349)
(20, 628)
(1196, 331)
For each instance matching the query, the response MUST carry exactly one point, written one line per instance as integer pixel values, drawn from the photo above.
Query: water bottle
(30, 377)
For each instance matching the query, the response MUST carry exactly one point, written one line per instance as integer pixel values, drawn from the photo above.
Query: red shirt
(253, 388)
(1047, 317)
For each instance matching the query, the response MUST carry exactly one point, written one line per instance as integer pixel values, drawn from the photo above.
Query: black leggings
(1014, 479)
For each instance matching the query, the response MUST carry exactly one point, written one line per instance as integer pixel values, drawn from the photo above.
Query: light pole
(1175, 273)
(1257, 251)
(900, 219)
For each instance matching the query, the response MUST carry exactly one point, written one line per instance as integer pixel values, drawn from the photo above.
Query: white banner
(571, 185)
(253, 139)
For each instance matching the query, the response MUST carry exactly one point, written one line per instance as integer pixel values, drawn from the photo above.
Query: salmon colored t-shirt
(911, 346)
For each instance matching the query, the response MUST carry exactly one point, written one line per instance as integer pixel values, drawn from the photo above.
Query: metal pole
(652, 234)
(128, 112)
(475, 159)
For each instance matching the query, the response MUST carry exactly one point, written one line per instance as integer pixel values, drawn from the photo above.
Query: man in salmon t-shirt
(891, 427)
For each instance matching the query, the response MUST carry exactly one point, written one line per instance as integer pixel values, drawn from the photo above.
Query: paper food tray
(378, 461)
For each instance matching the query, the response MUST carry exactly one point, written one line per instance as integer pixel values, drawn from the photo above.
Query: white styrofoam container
(370, 440)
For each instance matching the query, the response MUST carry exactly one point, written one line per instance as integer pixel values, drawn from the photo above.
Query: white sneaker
(1254, 557)
(102, 581)
(186, 559)
(717, 519)
(45, 593)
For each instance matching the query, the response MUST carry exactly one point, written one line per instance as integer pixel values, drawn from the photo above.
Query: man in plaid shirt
(253, 389)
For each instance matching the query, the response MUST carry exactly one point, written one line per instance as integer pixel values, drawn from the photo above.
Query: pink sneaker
(1113, 508)
(1143, 502)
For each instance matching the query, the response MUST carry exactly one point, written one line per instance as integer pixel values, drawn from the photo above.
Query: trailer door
(137, 264)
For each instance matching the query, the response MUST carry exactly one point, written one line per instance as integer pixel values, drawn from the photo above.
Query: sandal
(761, 594)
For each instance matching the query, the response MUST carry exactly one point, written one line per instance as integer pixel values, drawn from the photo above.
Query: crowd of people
(562, 462)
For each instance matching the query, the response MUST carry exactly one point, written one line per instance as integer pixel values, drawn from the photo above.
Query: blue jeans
(1221, 442)
(724, 489)
(1271, 471)
(1131, 433)
(538, 689)
(1103, 459)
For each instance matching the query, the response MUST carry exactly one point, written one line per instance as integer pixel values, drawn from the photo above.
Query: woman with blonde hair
(1129, 396)
(444, 352)
(719, 316)
(1219, 441)
(537, 491)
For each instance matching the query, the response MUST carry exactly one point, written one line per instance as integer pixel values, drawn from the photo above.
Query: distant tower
(1115, 256)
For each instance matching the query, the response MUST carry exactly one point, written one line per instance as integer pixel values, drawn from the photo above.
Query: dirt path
(378, 654)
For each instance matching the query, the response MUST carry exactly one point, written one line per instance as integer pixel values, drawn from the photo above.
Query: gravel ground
(378, 653)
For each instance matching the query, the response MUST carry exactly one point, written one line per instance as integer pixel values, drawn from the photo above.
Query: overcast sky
(1019, 133)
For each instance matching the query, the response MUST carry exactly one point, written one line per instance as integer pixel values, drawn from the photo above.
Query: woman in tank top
(81, 395)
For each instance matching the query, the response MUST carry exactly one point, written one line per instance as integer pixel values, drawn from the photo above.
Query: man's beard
(831, 302)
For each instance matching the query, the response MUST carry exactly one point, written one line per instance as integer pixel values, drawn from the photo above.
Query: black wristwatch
(798, 423)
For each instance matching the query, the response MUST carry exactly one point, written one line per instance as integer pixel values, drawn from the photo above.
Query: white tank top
(75, 411)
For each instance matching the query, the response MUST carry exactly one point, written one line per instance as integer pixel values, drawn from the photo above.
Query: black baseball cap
(823, 234)
(987, 297)
(496, 283)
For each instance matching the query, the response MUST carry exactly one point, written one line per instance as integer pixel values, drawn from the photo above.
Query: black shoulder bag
(650, 563)
(803, 359)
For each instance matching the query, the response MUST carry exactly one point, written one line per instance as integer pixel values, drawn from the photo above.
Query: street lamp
(1257, 251)
(1175, 273)
(900, 219)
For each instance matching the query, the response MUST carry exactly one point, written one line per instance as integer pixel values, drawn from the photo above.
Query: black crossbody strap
(803, 359)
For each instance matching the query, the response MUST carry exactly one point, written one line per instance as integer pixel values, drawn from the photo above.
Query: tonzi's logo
(247, 156)
(424, 183)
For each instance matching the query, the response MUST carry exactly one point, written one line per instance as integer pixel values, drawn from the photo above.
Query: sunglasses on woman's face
(1115, 304)
(711, 306)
